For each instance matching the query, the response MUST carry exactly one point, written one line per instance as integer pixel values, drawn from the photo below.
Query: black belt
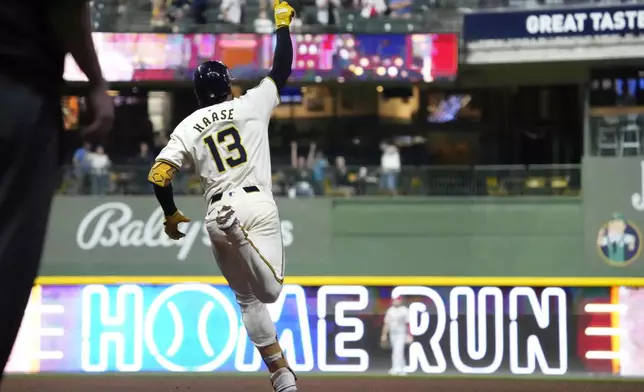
(247, 189)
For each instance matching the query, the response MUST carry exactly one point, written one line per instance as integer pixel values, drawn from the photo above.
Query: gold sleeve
(161, 173)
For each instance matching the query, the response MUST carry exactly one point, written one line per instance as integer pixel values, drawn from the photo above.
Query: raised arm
(283, 56)
(265, 97)
(294, 155)
(310, 159)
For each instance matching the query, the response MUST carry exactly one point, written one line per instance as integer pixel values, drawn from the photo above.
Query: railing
(516, 180)
(423, 16)
(473, 5)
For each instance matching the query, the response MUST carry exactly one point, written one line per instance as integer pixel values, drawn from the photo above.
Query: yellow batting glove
(283, 13)
(171, 224)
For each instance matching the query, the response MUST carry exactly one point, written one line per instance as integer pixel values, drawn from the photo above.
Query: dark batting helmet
(212, 83)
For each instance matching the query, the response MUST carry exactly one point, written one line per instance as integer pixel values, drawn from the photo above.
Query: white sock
(283, 380)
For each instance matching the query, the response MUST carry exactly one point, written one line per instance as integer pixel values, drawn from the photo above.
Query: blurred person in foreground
(36, 35)
(395, 335)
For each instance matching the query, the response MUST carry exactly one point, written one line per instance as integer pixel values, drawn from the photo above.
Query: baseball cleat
(283, 380)
(225, 218)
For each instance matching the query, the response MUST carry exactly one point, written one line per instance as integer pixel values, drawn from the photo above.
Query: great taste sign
(568, 34)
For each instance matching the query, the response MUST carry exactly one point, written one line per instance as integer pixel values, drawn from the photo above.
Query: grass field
(200, 382)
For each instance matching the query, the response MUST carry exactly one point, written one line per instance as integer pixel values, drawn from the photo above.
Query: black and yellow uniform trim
(264, 259)
(174, 165)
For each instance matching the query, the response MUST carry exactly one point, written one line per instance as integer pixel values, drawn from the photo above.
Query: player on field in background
(226, 140)
(395, 331)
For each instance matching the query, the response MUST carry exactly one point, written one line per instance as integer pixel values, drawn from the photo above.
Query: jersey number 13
(230, 139)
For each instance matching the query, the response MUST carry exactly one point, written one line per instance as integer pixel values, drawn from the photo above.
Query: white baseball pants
(251, 258)
(398, 342)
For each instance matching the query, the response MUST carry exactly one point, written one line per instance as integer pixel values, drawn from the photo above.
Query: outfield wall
(409, 236)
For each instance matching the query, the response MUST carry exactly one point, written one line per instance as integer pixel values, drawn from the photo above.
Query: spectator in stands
(373, 8)
(361, 186)
(142, 162)
(99, 165)
(182, 183)
(318, 167)
(158, 13)
(122, 7)
(389, 168)
(231, 11)
(144, 157)
(364, 180)
(400, 8)
(199, 8)
(280, 182)
(303, 176)
(296, 24)
(328, 11)
(263, 25)
(159, 140)
(177, 10)
(343, 180)
(81, 167)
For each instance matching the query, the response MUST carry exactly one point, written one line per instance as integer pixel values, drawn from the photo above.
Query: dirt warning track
(223, 383)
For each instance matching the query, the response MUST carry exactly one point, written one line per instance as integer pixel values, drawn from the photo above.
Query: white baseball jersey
(397, 317)
(227, 142)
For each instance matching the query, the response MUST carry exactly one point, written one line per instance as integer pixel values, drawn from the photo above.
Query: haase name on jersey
(224, 114)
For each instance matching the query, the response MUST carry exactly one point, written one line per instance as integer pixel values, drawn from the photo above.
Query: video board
(197, 327)
(610, 331)
(127, 57)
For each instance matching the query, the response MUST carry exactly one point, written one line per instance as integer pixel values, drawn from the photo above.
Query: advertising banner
(127, 57)
(610, 330)
(326, 237)
(124, 236)
(550, 23)
(197, 328)
(614, 214)
(554, 34)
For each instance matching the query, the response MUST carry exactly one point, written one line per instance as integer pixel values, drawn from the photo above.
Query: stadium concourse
(342, 383)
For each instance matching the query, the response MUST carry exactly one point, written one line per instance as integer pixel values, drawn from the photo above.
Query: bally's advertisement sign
(573, 34)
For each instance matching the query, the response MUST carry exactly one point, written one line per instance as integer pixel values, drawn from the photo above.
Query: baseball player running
(227, 141)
